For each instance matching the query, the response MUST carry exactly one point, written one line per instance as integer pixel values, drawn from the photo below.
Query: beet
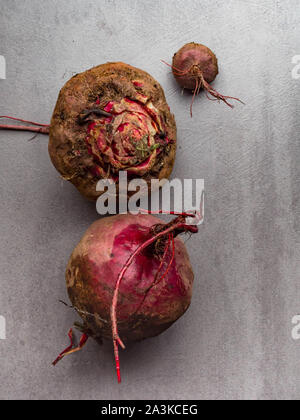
(194, 67)
(129, 278)
(111, 118)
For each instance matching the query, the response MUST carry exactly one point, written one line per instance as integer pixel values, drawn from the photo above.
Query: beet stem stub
(162, 261)
(171, 239)
(218, 95)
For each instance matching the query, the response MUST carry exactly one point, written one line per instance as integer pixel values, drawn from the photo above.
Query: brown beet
(194, 67)
(110, 118)
(129, 278)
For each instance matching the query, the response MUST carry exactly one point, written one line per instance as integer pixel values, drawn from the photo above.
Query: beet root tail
(218, 96)
(71, 349)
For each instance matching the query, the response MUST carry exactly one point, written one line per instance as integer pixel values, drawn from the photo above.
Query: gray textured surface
(235, 340)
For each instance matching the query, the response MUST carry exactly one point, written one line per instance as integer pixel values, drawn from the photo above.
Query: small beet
(129, 278)
(194, 67)
(111, 118)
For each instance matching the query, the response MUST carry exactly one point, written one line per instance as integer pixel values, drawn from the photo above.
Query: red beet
(194, 67)
(129, 278)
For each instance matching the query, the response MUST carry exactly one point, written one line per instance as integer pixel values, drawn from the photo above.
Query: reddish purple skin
(195, 58)
(144, 309)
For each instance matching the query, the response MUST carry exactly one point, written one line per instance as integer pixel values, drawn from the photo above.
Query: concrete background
(235, 341)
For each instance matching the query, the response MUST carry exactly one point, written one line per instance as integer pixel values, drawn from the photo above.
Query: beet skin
(145, 308)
